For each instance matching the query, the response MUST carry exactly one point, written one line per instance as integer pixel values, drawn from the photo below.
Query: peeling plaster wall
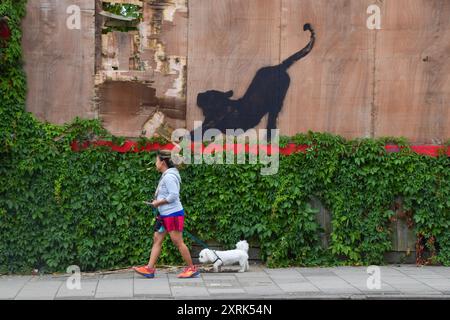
(152, 59)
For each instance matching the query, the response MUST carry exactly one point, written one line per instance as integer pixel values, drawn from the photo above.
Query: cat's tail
(302, 53)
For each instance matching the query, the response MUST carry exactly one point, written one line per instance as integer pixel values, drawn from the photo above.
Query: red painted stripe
(5, 31)
(131, 146)
(432, 151)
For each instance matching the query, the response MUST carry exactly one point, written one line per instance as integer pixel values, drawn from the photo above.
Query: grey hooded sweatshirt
(169, 189)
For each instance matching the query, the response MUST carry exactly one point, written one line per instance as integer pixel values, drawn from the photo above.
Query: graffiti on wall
(264, 96)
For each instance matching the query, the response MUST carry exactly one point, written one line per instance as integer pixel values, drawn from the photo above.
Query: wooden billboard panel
(59, 62)
(413, 71)
(331, 87)
(355, 82)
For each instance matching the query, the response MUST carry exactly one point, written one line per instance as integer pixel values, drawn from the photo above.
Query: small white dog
(226, 258)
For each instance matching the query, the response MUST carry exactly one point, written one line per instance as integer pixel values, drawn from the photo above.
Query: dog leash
(204, 245)
(190, 235)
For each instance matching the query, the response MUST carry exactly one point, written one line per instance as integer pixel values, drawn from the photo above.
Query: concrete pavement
(396, 282)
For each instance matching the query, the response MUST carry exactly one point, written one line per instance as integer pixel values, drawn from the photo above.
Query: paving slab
(188, 292)
(357, 281)
(124, 275)
(114, 288)
(282, 280)
(285, 276)
(351, 271)
(217, 276)
(87, 291)
(305, 287)
(332, 285)
(427, 277)
(282, 272)
(11, 285)
(263, 290)
(218, 284)
(226, 291)
(442, 287)
(256, 282)
(411, 288)
(157, 288)
(259, 274)
(401, 281)
(39, 289)
(312, 273)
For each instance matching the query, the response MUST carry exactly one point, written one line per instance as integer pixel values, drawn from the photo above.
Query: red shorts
(173, 223)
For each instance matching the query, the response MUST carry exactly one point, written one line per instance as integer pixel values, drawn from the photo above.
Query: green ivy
(59, 207)
(125, 10)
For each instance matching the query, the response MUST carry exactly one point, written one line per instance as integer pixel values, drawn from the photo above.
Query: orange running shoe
(189, 272)
(145, 271)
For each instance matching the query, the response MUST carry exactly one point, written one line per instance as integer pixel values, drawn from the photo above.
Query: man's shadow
(265, 95)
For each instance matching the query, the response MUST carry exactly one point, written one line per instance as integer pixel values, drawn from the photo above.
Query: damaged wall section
(142, 66)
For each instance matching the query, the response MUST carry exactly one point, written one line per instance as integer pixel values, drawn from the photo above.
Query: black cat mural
(265, 95)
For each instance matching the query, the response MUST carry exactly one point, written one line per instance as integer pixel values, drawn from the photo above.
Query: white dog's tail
(242, 245)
